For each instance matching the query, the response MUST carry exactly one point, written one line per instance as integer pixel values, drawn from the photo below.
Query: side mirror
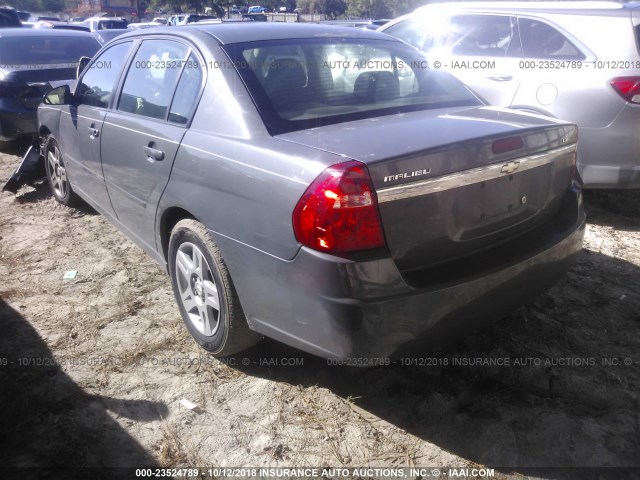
(82, 64)
(58, 96)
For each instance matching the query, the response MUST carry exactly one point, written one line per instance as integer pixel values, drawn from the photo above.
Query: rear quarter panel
(581, 94)
(234, 177)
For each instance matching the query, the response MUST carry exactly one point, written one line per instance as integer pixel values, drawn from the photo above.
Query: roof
(238, 32)
(558, 7)
(42, 32)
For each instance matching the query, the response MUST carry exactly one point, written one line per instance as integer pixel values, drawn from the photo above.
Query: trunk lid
(451, 185)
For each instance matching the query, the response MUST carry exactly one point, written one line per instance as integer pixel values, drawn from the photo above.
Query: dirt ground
(93, 368)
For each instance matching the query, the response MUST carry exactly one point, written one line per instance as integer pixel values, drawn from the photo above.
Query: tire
(204, 292)
(57, 174)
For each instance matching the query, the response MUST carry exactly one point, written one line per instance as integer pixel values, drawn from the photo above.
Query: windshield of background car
(36, 51)
(298, 84)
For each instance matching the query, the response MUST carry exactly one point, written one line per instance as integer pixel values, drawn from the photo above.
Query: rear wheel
(57, 174)
(205, 293)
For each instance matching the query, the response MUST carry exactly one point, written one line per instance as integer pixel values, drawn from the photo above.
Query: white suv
(578, 61)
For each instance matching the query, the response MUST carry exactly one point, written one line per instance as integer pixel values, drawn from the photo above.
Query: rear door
(142, 133)
(559, 77)
(484, 52)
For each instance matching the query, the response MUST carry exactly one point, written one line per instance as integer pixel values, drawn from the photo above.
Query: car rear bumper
(610, 157)
(16, 120)
(339, 308)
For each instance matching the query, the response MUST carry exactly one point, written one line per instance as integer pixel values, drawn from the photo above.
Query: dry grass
(175, 451)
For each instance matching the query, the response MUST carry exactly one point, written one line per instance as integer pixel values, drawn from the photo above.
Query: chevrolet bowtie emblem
(510, 167)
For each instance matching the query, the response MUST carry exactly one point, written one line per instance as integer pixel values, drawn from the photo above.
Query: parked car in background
(257, 9)
(579, 61)
(59, 25)
(105, 23)
(213, 21)
(9, 18)
(105, 36)
(137, 25)
(194, 18)
(25, 16)
(319, 186)
(175, 19)
(30, 61)
(160, 20)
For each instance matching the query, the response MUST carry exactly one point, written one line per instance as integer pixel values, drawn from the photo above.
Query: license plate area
(491, 206)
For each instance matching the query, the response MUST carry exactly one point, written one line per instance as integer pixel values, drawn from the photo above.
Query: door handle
(94, 132)
(153, 155)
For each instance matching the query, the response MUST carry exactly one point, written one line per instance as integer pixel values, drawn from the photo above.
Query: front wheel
(57, 174)
(205, 293)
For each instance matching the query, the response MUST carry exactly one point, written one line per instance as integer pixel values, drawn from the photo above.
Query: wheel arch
(44, 131)
(170, 217)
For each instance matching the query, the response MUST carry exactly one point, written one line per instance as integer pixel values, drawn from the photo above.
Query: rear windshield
(37, 51)
(299, 84)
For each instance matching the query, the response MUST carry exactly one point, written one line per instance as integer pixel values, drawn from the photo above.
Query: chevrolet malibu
(315, 184)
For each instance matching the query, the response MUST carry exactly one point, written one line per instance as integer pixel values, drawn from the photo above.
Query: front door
(81, 125)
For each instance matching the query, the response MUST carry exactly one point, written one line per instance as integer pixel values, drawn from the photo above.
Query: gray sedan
(315, 185)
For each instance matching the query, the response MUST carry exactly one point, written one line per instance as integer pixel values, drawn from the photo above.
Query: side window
(481, 35)
(152, 77)
(98, 82)
(187, 92)
(540, 40)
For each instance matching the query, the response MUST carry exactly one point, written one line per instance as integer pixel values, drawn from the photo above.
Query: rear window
(299, 84)
(35, 51)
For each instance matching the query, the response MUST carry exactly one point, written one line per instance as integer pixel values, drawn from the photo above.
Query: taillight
(628, 88)
(339, 211)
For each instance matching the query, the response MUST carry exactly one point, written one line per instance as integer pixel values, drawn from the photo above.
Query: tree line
(333, 8)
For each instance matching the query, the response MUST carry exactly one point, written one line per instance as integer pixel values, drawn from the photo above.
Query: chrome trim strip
(469, 177)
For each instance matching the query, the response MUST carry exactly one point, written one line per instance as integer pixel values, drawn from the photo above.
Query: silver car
(578, 61)
(315, 184)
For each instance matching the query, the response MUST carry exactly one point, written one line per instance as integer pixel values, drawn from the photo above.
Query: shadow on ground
(573, 402)
(619, 209)
(48, 422)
